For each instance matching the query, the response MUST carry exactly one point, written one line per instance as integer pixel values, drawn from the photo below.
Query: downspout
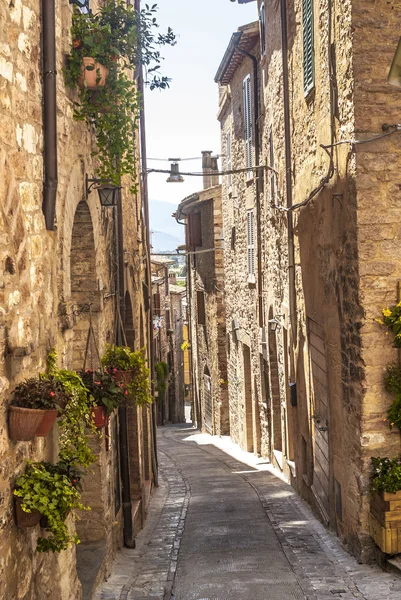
(258, 174)
(288, 175)
(145, 204)
(129, 540)
(49, 113)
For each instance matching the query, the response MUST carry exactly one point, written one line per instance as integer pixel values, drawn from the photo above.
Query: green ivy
(119, 38)
(161, 369)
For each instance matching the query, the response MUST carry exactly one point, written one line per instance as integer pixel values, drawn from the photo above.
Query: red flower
(52, 394)
(126, 392)
(97, 382)
(115, 370)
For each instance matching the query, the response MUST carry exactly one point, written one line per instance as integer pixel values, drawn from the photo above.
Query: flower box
(49, 418)
(99, 416)
(23, 423)
(23, 518)
(385, 521)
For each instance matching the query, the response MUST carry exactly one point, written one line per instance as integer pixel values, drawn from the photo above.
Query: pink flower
(97, 382)
(115, 370)
(126, 392)
(52, 394)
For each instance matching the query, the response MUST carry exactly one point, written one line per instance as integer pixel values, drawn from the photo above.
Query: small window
(262, 25)
(308, 45)
(228, 157)
(156, 303)
(194, 230)
(251, 246)
(248, 125)
(200, 297)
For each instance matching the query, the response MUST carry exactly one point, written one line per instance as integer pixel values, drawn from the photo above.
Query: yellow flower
(387, 312)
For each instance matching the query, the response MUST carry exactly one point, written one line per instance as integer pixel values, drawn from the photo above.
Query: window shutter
(248, 125)
(228, 157)
(262, 23)
(251, 244)
(272, 174)
(200, 297)
(308, 45)
(156, 303)
(194, 229)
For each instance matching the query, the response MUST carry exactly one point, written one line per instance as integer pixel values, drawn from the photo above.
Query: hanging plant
(52, 491)
(122, 359)
(103, 389)
(161, 369)
(118, 38)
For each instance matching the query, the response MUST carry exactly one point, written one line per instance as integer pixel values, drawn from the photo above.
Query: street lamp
(108, 191)
(174, 176)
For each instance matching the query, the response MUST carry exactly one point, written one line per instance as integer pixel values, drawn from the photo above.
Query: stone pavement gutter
(219, 529)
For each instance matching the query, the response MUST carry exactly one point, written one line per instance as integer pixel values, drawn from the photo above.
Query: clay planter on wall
(23, 423)
(385, 521)
(25, 519)
(122, 377)
(49, 417)
(99, 416)
(89, 78)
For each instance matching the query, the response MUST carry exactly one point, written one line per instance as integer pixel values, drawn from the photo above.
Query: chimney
(206, 168)
(215, 169)
(172, 278)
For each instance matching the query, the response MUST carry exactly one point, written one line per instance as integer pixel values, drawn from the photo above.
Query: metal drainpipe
(288, 175)
(258, 186)
(145, 204)
(49, 112)
(129, 540)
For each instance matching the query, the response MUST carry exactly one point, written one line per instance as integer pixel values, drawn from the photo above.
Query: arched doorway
(84, 295)
(208, 400)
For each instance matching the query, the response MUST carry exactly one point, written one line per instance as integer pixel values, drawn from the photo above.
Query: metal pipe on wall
(49, 112)
(288, 174)
(145, 204)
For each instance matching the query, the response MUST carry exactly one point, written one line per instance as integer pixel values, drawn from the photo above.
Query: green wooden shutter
(308, 45)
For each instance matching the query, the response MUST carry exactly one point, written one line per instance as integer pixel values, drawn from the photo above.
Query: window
(308, 45)
(228, 157)
(251, 246)
(262, 25)
(194, 230)
(200, 298)
(248, 125)
(156, 303)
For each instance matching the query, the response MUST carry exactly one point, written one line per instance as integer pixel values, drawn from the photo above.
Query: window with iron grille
(250, 227)
(262, 25)
(228, 157)
(248, 125)
(308, 45)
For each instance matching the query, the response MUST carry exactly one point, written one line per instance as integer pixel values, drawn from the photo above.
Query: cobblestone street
(219, 529)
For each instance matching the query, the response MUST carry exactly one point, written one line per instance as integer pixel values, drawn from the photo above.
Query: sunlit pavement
(224, 526)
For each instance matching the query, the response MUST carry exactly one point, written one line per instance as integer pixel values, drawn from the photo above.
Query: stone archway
(85, 298)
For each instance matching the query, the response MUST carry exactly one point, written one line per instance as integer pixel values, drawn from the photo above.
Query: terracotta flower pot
(25, 519)
(48, 420)
(44, 521)
(99, 416)
(122, 376)
(90, 77)
(23, 423)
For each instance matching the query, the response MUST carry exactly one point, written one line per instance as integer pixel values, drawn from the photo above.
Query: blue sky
(181, 122)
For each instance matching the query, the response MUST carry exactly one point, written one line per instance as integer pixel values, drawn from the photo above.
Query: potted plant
(34, 407)
(385, 504)
(117, 361)
(105, 392)
(114, 39)
(50, 491)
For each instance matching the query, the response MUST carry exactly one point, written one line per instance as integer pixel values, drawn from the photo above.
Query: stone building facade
(54, 278)
(323, 270)
(202, 215)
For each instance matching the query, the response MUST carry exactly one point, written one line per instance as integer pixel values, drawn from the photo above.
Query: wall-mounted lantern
(108, 191)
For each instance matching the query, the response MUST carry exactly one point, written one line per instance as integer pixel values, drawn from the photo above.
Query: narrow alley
(222, 526)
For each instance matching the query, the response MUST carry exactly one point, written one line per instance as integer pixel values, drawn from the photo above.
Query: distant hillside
(166, 234)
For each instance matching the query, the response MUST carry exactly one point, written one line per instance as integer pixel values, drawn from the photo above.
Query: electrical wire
(210, 172)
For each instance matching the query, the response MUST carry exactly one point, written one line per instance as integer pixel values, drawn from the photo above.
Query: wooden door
(320, 416)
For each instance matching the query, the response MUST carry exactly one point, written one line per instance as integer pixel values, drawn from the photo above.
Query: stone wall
(47, 280)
